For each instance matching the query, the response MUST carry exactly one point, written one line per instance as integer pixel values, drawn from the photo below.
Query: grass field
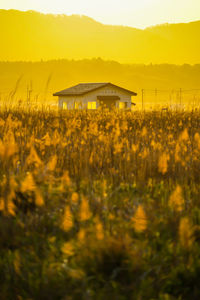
(100, 205)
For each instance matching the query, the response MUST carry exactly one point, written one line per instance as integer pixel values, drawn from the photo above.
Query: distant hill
(34, 36)
(161, 83)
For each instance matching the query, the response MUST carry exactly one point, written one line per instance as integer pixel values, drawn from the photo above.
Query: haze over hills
(32, 36)
(161, 83)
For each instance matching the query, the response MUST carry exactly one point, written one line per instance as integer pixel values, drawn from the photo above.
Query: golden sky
(135, 13)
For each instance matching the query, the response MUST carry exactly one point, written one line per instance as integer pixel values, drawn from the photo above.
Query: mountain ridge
(94, 20)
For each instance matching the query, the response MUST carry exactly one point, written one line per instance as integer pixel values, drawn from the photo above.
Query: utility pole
(142, 99)
(29, 91)
(27, 95)
(156, 92)
(180, 97)
(170, 99)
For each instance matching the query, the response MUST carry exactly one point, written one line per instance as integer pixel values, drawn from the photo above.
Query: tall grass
(95, 205)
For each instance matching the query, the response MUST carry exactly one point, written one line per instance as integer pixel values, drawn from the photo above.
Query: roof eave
(66, 95)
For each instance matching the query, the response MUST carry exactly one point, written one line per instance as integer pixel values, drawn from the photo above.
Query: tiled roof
(84, 88)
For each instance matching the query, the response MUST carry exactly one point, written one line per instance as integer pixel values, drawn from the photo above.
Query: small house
(95, 95)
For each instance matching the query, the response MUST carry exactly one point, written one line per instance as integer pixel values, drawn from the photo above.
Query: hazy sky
(136, 13)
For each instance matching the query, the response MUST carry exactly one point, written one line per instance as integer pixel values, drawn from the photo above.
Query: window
(92, 105)
(121, 105)
(64, 105)
(76, 105)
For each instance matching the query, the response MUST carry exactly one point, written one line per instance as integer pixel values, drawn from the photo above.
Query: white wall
(92, 96)
(109, 91)
(70, 100)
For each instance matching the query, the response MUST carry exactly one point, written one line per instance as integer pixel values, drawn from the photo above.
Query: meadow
(99, 205)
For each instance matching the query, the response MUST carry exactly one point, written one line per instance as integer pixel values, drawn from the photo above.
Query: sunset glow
(136, 13)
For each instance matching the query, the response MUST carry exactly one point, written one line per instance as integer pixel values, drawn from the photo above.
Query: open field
(99, 205)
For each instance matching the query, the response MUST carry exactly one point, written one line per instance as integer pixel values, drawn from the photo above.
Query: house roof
(84, 88)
